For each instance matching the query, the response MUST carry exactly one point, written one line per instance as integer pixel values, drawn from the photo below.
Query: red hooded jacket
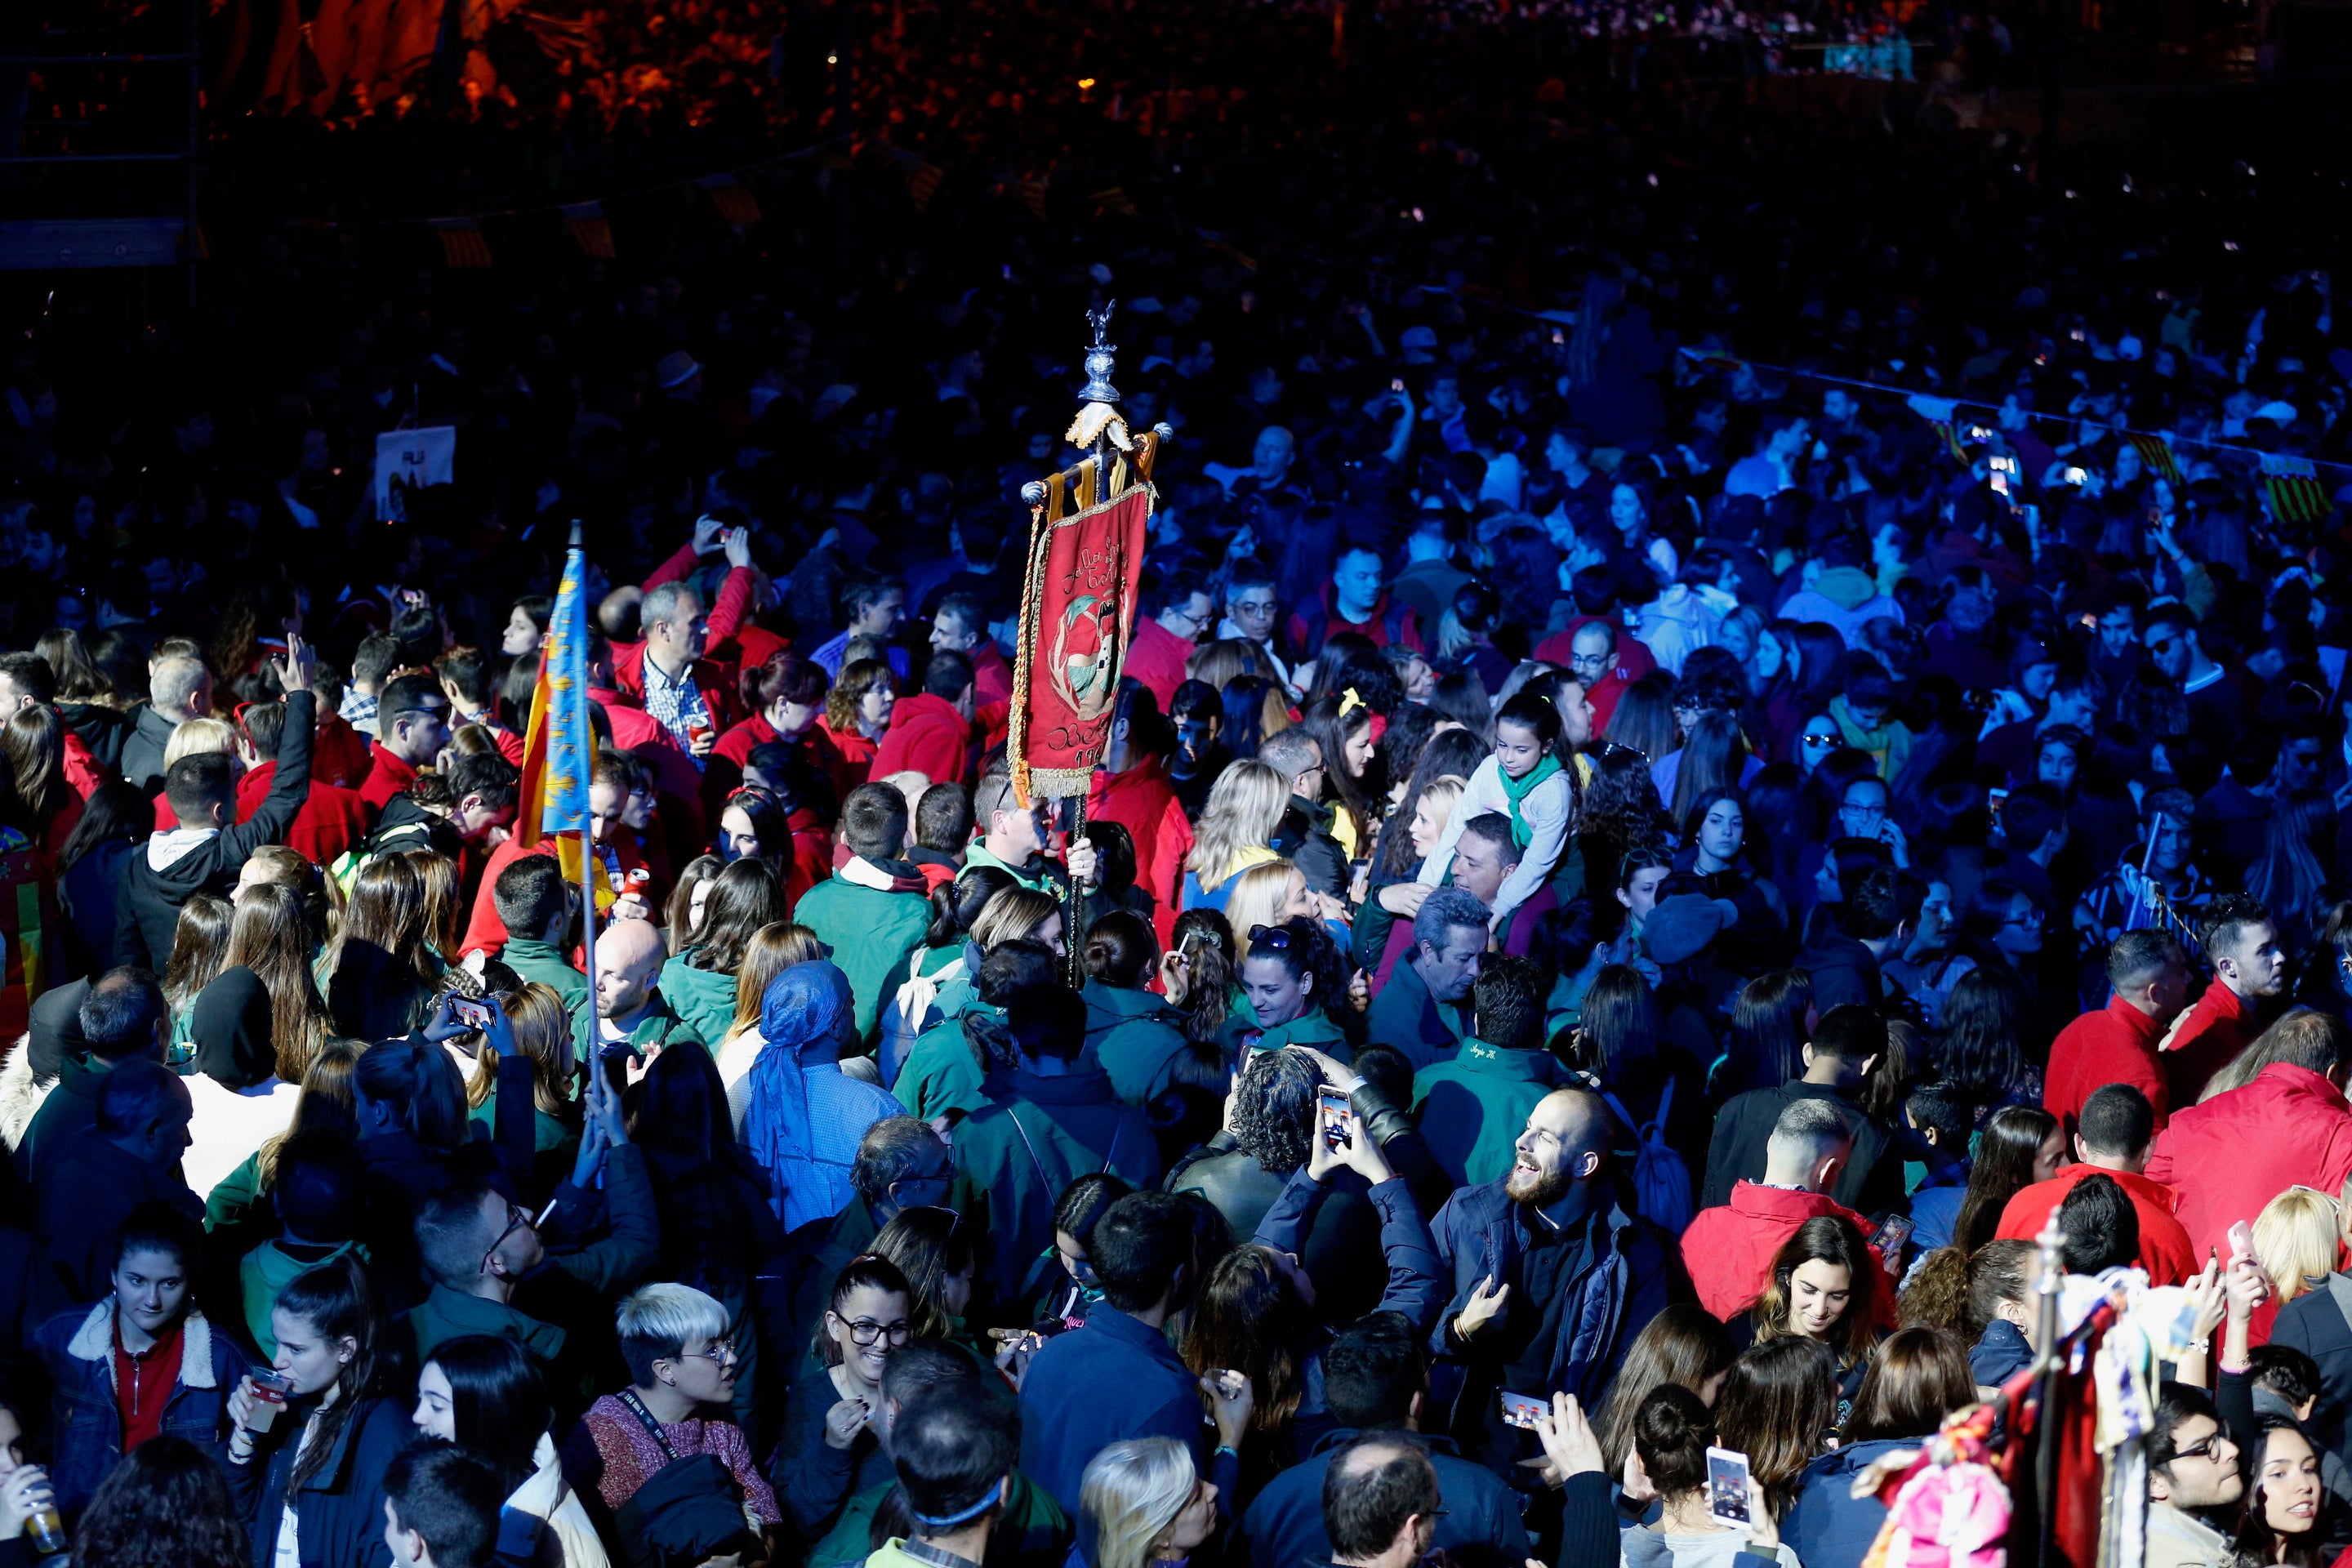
(929, 735)
(2226, 1158)
(1142, 801)
(1728, 1249)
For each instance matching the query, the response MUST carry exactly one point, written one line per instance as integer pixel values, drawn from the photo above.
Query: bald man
(632, 1016)
(1553, 1279)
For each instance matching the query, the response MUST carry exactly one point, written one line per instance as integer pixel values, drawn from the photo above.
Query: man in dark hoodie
(205, 851)
(1844, 1046)
(91, 1027)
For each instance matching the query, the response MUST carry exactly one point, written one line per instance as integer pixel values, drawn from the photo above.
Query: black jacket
(147, 906)
(1871, 1183)
(143, 749)
(1304, 839)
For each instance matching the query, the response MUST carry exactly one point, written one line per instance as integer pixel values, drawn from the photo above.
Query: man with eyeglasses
(1254, 614)
(1176, 610)
(491, 1272)
(1602, 662)
(2192, 1469)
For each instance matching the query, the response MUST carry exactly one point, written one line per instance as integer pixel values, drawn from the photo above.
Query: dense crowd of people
(1719, 730)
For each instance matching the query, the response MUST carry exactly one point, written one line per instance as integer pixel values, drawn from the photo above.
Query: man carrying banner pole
(1088, 530)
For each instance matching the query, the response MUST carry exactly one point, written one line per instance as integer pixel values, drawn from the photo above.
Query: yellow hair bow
(1350, 701)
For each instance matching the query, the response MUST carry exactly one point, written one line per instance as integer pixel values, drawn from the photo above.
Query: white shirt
(230, 1125)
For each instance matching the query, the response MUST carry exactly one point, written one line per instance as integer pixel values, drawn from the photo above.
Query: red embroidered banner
(1078, 613)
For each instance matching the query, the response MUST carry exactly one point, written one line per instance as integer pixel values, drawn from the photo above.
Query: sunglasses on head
(1276, 937)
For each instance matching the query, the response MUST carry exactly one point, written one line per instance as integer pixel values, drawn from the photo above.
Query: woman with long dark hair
(1295, 983)
(1779, 1404)
(2289, 1517)
(1672, 1431)
(1975, 1044)
(1620, 1040)
(1766, 1045)
(115, 819)
(2021, 1144)
(1824, 1284)
(1683, 1345)
(1343, 728)
(830, 1451)
(485, 1392)
(33, 741)
(307, 1467)
(716, 1228)
(700, 982)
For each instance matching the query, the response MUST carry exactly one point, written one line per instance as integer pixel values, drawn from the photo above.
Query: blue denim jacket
(77, 1348)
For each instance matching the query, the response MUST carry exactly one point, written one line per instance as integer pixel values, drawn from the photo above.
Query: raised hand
(1485, 1304)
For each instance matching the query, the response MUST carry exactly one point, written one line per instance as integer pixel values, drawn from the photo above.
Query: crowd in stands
(1644, 853)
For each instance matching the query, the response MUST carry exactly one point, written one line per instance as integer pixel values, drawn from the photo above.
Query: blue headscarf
(804, 1005)
(794, 1130)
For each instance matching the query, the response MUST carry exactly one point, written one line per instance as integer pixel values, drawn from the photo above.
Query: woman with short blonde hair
(1016, 912)
(1266, 895)
(199, 738)
(2295, 1238)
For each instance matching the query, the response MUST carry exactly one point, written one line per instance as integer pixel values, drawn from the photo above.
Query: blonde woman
(773, 949)
(1245, 805)
(203, 737)
(1016, 912)
(270, 934)
(1145, 1502)
(2295, 1238)
(535, 1015)
(1267, 895)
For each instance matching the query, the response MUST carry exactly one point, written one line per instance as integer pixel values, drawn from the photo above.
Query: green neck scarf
(1517, 790)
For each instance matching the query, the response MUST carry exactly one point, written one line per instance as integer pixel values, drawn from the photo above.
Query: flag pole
(588, 863)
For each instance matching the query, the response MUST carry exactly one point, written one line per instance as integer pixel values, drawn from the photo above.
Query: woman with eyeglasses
(682, 1375)
(830, 1452)
(483, 1391)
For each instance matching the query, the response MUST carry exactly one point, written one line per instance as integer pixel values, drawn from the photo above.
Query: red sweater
(2163, 1248)
(387, 776)
(929, 735)
(2226, 1158)
(1728, 1249)
(2115, 1045)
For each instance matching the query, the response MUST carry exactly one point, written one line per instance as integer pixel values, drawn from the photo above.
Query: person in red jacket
(1606, 661)
(2291, 1126)
(785, 697)
(2248, 965)
(2150, 972)
(1132, 788)
(930, 731)
(2118, 1126)
(1728, 1249)
(331, 820)
(411, 725)
(1356, 599)
(1177, 610)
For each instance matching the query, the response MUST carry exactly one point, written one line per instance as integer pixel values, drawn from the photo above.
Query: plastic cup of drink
(269, 1391)
(46, 1531)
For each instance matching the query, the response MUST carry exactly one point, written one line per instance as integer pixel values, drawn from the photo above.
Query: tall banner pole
(1088, 527)
(589, 867)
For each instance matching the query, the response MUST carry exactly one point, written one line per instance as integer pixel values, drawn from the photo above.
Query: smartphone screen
(1520, 1410)
(473, 1015)
(1331, 1115)
(1726, 1487)
(2241, 1240)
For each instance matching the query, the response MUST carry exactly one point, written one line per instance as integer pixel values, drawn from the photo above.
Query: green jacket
(447, 1315)
(874, 936)
(1040, 875)
(660, 1026)
(539, 962)
(1405, 1015)
(1032, 1527)
(703, 999)
(1311, 1027)
(1473, 1109)
(264, 1273)
(1135, 1038)
(1013, 1160)
(940, 1076)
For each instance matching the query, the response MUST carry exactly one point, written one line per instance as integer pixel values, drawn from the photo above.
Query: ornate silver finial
(1101, 358)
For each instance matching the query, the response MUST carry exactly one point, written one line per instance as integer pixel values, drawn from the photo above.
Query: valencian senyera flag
(559, 748)
(2296, 494)
(1086, 560)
